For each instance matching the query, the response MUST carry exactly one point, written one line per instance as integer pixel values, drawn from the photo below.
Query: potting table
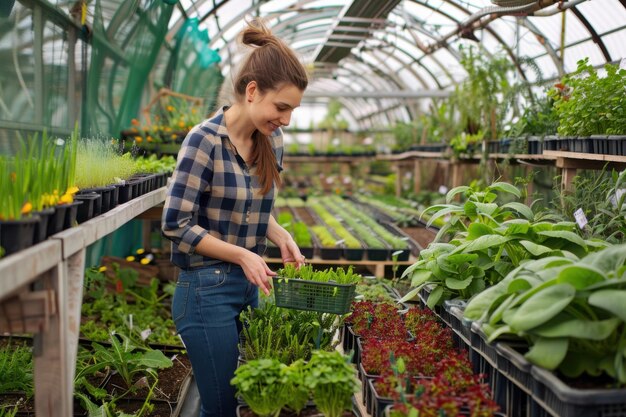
(41, 292)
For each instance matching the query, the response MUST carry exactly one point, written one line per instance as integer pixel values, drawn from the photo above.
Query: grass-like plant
(16, 369)
(99, 164)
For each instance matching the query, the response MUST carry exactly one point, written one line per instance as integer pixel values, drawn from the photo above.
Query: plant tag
(443, 189)
(130, 321)
(615, 198)
(580, 217)
(181, 341)
(145, 334)
(339, 242)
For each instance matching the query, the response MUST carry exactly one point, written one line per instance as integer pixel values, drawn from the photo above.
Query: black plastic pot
(70, 214)
(16, 235)
(41, 227)
(87, 209)
(57, 219)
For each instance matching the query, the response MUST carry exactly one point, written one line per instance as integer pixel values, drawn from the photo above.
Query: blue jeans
(205, 309)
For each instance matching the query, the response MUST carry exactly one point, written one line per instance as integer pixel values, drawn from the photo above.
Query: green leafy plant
(488, 241)
(602, 198)
(128, 359)
(588, 104)
(262, 383)
(339, 275)
(571, 312)
(284, 334)
(332, 380)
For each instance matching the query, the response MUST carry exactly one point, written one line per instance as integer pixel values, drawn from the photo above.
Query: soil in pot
(169, 386)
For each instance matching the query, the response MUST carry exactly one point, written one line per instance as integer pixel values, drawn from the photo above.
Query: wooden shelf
(326, 158)
(41, 291)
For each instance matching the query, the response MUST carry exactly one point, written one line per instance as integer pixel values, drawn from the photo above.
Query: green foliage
(128, 360)
(333, 121)
(262, 383)
(539, 118)
(486, 97)
(16, 369)
(488, 240)
(98, 163)
(332, 380)
(339, 275)
(323, 234)
(284, 334)
(8, 412)
(571, 312)
(298, 230)
(407, 134)
(151, 164)
(587, 104)
(111, 302)
(348, 238)
(366, 227)
(602, 198)
(465, 143)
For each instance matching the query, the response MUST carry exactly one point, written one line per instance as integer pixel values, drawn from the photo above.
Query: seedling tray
(323, 297)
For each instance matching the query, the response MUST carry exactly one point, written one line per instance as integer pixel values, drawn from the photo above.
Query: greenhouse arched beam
(443, 41)
(408, 66)
(365, 100)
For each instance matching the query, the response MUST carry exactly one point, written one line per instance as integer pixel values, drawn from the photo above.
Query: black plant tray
(559, 399)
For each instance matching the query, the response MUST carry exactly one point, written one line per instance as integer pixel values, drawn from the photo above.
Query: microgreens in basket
(306, 272)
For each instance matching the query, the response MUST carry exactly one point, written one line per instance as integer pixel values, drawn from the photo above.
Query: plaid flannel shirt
(213, 191)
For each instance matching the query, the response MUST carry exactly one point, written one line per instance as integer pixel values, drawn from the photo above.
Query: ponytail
(270, 64)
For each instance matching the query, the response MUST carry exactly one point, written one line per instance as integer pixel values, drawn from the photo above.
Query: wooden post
(457, 174)
(53, 384)
(398, 168)
(417, 176)
(74, 272)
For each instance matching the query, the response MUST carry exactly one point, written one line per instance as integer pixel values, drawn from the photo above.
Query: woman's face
(273, 109)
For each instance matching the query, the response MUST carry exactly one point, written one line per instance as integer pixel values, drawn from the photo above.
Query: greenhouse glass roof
(380, 58)
(384, 60)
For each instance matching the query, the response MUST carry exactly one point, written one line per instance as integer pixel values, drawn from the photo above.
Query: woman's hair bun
(257, 34)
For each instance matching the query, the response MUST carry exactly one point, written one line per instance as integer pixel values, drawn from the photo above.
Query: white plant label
(580, 217)
(130, 321)
(443, 189)
(145, 334)
(615, 198)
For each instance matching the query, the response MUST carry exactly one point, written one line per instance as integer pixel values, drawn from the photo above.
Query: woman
(217, 213)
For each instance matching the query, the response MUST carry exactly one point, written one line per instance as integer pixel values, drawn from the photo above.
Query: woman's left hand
(290, 253)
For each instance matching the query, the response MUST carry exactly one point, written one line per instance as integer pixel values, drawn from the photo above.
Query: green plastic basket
(323, 297)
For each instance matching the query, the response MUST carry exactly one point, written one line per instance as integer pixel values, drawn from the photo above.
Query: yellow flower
(170, 108)
(173, 136)
(167, 129)
(140, 251)
(181, 124)
(130, 258)
(145, 261)
(194, 111)
(66, 198)
(102, 269)
(27, 208)
(72, 190)
(138, 139)
(150, 139)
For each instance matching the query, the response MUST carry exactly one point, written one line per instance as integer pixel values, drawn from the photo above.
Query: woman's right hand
(257, 271)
